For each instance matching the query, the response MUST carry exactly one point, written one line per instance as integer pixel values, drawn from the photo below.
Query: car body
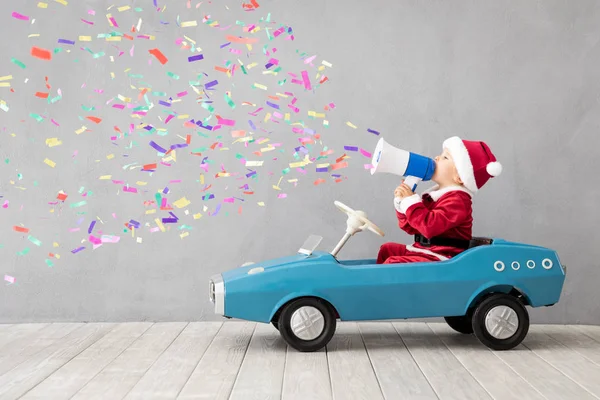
(359, 290)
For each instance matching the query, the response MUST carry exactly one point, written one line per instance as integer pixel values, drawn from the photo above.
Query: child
(441, 218)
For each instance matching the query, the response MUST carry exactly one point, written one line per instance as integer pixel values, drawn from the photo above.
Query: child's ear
(457, 179)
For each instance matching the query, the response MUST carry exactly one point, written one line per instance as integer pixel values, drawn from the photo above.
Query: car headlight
(216, 293)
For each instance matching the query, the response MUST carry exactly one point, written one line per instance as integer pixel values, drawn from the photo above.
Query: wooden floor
(239, 360)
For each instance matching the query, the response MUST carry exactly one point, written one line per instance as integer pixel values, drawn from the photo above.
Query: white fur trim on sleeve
(409, 201)
(397, 201)
(459, 152)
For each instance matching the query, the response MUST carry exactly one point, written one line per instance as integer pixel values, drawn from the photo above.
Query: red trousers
(391, 253)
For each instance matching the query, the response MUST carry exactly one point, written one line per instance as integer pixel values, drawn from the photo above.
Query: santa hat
(474, 162)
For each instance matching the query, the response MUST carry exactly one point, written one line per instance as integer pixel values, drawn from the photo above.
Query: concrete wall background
(522, 76)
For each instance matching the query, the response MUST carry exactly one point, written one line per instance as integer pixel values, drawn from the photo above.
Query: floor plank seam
(362, 338)
(460, 362)
(156, 359)
(582, 354)
(415, 361)
(329, 372)
(111, 361)
(237, 374)
(518, 374)
(69, 360)
(584, 333)
(199, 360)
(287, 350)
(42, 349)
(559, 370)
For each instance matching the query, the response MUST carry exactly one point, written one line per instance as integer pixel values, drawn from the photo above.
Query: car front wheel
(500, 322)
(307, 324)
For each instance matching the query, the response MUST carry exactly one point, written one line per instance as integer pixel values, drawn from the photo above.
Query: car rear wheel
(500, 322)
(461, 324)
(307, 324)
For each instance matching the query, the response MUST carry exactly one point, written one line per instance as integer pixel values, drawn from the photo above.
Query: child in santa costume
(441, 218)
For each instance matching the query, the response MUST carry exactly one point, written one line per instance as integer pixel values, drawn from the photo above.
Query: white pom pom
(494, 168)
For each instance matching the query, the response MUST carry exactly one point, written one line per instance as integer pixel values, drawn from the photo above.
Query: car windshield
(310, 245)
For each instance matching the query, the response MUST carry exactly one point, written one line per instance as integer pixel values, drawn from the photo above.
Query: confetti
(20, 16)
(9, 279)
(40, 53)
(159, 56)
(50, 162)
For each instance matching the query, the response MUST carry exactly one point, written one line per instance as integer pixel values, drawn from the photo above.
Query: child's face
(445, 170)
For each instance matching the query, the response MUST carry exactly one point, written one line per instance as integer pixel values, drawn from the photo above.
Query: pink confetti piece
(94, 240)
(281, 195)
(91, 12)
(9, 279)
(365, 153)
(5, 205)
(368, 166)
(228, 122)
(129, 189)
(20, 16)
(114, 22)
(228, 200)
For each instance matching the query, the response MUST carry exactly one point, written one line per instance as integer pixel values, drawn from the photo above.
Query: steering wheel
(361, 216)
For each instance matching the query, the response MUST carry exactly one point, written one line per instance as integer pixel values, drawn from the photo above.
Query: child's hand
(403, 191)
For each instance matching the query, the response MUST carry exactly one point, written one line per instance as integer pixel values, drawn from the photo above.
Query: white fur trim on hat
(459, 153)
(494, 168)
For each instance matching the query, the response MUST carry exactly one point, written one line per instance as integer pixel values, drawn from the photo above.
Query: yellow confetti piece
(110, 156)
(105, 177)
(287, 116)
(4, 106)
(197, 216)
(254, 163)
(326, 64)
(123, 98)
(113, 39)
(123, 8)
(182, 202)
(141, 183)
(81, 130)
(51, 142)
(293, 180)
(63, 2)
(267, 117)
(42, 5)
(153, 211)
(50, 162)
(351, 125)
(85, 38)
(201, 179)
(184, 234)
(160, 225)
(138, 239)
(260, 203)
(326, 123)
(55, 244)
(112, 75)
(183, 116)
(193, 41)
(33, 35)
(323, 165)
(187, 24)
(4, 84)
(259, 86)
(6, 77)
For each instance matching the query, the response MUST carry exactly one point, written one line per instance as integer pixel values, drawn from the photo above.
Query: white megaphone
(413, 166)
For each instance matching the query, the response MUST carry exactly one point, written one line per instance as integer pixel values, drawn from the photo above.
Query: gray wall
(522, 76)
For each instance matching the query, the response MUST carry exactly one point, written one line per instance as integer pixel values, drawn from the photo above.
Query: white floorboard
(244, 360)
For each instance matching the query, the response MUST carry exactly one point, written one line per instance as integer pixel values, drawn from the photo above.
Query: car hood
(277, 263)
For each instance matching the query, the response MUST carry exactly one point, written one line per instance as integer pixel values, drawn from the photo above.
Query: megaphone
(413, 166)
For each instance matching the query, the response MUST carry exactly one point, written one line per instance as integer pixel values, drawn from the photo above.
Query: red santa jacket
(443, 212)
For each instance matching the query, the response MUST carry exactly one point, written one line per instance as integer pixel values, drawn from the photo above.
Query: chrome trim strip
(219, 293)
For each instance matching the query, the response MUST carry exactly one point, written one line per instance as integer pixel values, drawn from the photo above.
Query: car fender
(295, 295)
(491, 287)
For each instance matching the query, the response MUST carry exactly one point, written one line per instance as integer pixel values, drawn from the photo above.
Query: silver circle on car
(547, 263)
(501, 322)
(499, 266)
(515, 265)
(307, 323)
(531, 264)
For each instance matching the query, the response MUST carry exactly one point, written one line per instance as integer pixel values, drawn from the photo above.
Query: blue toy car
(483, 290)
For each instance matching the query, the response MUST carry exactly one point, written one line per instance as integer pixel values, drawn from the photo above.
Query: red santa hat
(474, 161)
